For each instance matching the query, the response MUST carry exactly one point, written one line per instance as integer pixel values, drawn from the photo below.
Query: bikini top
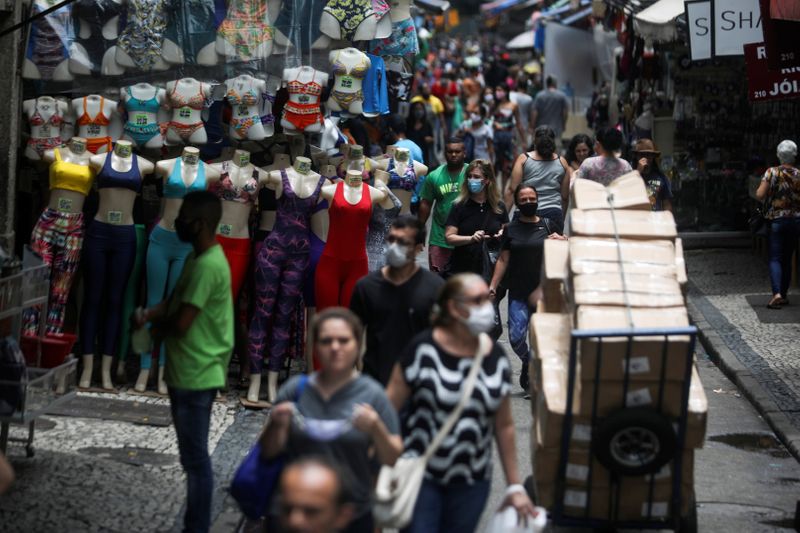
(248, 98)
(359, 71)
(134, 104)
(70, 176)
(109, 178)
(197, 101)
(407, 182)
(225, 189)
(37, 120)
(99, 119)
(310, 88)
(176, 188)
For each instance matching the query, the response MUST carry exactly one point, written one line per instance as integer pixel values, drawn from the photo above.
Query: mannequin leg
(272, 386)
(46, 249)
(327, 284)
(130, 299)
(86, 376)
(105, 372)
(354, 271)
(291, 286)
(157, 271)
(95, 253)
(268, 271)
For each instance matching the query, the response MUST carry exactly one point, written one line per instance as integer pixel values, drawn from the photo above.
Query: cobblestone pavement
(720, 283)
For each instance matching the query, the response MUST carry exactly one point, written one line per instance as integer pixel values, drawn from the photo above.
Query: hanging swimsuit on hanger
(402, 42)
(41, 144)
(93, 142)
(50, 39)
(246, 100)
(351, 13)
(178, 102)
(246, 27)
(96, 14)
(346, 99)
(137, 126)
(143, 36)
(302, 115)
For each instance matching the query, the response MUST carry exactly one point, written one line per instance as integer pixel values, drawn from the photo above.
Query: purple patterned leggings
(279, 278)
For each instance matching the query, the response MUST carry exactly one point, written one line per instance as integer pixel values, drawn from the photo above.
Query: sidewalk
(756, 347)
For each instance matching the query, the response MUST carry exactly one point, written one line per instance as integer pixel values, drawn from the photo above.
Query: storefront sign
(736, 23)
(781, 32)
(765, 84)
(698, 16)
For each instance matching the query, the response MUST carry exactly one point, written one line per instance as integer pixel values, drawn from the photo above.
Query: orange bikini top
(99, 119)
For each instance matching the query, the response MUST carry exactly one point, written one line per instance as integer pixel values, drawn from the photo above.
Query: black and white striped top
(435, 378)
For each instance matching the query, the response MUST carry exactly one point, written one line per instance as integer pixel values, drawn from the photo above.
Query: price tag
(141, 119)
(639, 397)
(346, 82)
(244, 110)
(638, 365)
(185, 112)
(225, 229)
(114, 217)
(304, 98)
(44, 131)
(93, 130)
(64, 204)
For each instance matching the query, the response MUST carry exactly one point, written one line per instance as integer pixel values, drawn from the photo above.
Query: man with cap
(658, 186)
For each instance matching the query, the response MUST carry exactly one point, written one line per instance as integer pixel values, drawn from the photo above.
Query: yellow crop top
(70, 176)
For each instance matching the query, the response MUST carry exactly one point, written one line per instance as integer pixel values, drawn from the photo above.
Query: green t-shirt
(199, 359)
(440, 188)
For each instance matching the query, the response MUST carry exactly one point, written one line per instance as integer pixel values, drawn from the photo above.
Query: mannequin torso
(244, 93)
(45, 116)
(182, 175)
(141, 44)
(44, 60)
(98, 23)
(142, 102)
(187, 98)
(355, 20)
(119, 179)
(350, 66)
(245, 34)
(238, 189)
(403, 174)
(194, 25)
(267, 217)
(94, 114)
(302, 112)
(75, 153)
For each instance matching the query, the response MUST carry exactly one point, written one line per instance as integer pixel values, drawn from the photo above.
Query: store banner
(781, 19)
(736, 23)
(765, 84)
(698, 18)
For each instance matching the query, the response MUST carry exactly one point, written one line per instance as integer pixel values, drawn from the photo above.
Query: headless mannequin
(303, 75)
(245, 117)
(352, 191)
(303, 183)
(116, 208)
(354, 159)
(402, 158)
(267, 218)
(347, 85)
(160, 276)
(95, 133)
(74, 152)
(236, 215)
(133, 96)
(401, 10)
(186, 125)
(80, 62)
(371, 28)
(254, 49)
(51, 112)
(30, 70)
(170, 53)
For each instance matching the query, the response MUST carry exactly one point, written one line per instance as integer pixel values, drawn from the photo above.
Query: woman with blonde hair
(477, 216)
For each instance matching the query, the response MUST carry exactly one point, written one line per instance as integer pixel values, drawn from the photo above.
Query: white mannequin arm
(145, 167)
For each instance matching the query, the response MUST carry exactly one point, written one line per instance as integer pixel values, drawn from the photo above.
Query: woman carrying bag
(341, 414)
(430, 380)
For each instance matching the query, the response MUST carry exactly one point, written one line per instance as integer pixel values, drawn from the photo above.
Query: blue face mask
(475, 186)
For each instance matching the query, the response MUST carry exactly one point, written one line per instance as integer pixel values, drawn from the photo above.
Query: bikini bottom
(242, 125)
(302, 116)
(95, 143)
(141, 135)
(346, 99)
(42, 144)
(185, 131)
(351, 13)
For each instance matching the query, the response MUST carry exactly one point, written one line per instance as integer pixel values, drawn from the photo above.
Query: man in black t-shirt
(395, 302)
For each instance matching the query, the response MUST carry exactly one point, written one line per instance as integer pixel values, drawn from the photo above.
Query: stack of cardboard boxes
(583, 288)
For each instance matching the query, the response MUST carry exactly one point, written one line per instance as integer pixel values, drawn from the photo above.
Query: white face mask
(480, 319)
(397, 255)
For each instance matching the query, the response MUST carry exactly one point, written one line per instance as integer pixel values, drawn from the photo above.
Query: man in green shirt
(442, 187)
(196, 324)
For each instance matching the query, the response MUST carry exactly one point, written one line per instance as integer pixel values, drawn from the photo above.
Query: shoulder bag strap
(484, 345)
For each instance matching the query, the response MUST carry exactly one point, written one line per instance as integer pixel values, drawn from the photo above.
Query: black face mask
(529, 209)
(184, 230)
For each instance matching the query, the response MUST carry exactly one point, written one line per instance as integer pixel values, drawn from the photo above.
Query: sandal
(775, 303)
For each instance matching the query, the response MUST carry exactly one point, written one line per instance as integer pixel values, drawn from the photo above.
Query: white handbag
(398, 486)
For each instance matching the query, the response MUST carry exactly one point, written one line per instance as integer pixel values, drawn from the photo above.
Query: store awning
(657, 22)
(498, 6)
(522, 41)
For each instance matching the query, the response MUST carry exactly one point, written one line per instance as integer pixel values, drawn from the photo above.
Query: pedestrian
(551, 108)
(606, 166)
(313, 497)
(477, 216)
(440, 189)
(341, 414)
(482, 135)
(6, 475)
(396, 135)
(548, 173)
(520, 265)
(524, 102)
(780, 191)
(434, 109)
(658, 187)
(506, 123)
(394, 303)
(420, 132)
(580, 147)
(196, 324)
(427, 380)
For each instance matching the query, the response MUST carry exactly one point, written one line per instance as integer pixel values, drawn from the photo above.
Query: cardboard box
(639, 290)
(639, 394)
(589, 255)
(680, 263)
(549, 335)
(555, 274)
(646, 352)
(626, 192)
(629, 224)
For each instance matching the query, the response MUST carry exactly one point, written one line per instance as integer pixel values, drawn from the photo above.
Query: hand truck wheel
(634, 441)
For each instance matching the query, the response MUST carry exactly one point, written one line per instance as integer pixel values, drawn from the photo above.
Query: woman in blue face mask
(477, 215)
